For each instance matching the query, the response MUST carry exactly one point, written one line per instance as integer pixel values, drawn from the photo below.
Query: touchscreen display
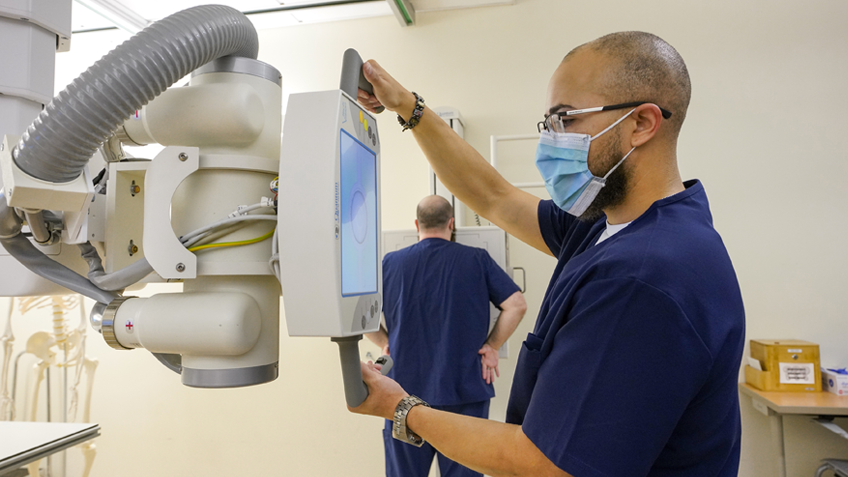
(358, 204)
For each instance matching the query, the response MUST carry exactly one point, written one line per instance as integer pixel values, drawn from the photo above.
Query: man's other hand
(489, 359)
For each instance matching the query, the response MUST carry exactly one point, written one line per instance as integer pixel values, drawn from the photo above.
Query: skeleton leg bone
(7, 341)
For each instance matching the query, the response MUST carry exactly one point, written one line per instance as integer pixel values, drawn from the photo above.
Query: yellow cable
(232, 244)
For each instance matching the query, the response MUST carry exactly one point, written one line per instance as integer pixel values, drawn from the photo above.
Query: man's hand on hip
(489, 359)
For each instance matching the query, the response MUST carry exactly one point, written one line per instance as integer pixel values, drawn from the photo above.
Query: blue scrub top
(436, 297)
(632, 368)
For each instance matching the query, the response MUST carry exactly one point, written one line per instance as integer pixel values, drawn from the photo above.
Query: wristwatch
(399, 429)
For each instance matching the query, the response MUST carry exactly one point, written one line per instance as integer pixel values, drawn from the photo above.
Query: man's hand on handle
(387, 92)
(384, 393)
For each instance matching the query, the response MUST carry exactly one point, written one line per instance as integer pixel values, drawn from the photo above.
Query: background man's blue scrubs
(436, 297)
(633, 365)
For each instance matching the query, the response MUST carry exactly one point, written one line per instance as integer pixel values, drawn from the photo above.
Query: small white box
(834, 382)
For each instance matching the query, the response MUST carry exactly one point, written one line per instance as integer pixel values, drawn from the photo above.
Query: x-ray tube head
(330, 211)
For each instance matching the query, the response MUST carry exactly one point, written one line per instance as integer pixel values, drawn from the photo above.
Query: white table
(25, 442)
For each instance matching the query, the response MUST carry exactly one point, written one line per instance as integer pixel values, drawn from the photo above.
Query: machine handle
(355, 389)
(352, 76)
(523, 278)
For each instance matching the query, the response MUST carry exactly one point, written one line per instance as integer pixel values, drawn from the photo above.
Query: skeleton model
(7, 340)
(45, 347)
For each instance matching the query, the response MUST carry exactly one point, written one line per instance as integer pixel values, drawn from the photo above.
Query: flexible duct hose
(58, 144)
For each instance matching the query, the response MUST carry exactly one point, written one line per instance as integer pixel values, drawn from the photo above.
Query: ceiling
(92, 15)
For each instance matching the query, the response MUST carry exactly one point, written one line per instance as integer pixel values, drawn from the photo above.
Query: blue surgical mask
(562, 159)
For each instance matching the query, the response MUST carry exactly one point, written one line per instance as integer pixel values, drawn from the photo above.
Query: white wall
(764, 133)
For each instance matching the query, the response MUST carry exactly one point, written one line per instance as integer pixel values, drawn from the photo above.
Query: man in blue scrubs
(436, 297)
(633, 365)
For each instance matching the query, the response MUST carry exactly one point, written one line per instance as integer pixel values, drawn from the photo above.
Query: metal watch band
(399, 429)
(416, 113)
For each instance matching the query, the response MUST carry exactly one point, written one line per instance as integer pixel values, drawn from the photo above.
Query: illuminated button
(365, 123)
(361, 117)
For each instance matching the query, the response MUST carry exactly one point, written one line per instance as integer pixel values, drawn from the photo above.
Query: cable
(215, 234)
(32, 258)
(274, 261)
(221, 223)
(117, 280)
(232, 244)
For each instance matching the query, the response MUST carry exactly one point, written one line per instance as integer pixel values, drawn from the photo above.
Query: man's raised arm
(458, 165)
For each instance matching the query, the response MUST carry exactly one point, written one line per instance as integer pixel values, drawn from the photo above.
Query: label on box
(797, 373)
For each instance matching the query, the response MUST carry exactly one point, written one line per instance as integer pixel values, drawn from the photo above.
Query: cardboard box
(834, 382)
(785, 365)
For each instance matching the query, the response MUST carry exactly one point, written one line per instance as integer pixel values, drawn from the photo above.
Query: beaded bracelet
(416, 113)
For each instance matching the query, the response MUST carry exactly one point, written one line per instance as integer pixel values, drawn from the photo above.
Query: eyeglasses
(554, 122)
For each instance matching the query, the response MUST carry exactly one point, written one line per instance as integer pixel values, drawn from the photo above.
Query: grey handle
(353, 78)
(355, 389)
(523, 278)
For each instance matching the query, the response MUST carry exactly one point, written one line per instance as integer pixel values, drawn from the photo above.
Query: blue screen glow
(358, 217)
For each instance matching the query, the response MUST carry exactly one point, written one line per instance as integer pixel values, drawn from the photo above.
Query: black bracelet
(416, 113)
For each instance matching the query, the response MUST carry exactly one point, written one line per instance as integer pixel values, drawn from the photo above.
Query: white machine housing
(31, 33)
(491, 238)
(315, 296)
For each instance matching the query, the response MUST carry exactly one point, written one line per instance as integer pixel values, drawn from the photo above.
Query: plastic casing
(309, 216)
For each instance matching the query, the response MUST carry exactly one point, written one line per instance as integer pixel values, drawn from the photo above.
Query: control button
(363, 322)
(361, 117)
(369, 133)
(374, 139)
(372, 311)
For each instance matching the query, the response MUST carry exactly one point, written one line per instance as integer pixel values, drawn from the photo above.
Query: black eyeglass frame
(544, 123)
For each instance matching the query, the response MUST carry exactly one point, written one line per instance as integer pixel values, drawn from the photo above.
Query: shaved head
(642, 67)
(434, 212)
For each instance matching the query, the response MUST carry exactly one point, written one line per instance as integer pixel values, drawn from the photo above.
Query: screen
(358, 204)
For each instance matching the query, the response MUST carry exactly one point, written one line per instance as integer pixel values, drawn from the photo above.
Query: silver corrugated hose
(60, 142)
(62, 139)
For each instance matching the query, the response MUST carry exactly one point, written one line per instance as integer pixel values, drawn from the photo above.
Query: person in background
(436, 297)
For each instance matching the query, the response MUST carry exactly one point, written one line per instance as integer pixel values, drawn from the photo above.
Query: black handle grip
(353, 78)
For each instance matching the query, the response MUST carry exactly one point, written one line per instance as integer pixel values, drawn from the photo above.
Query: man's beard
(615, 190)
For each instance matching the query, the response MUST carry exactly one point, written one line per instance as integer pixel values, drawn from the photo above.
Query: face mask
(562, 159)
